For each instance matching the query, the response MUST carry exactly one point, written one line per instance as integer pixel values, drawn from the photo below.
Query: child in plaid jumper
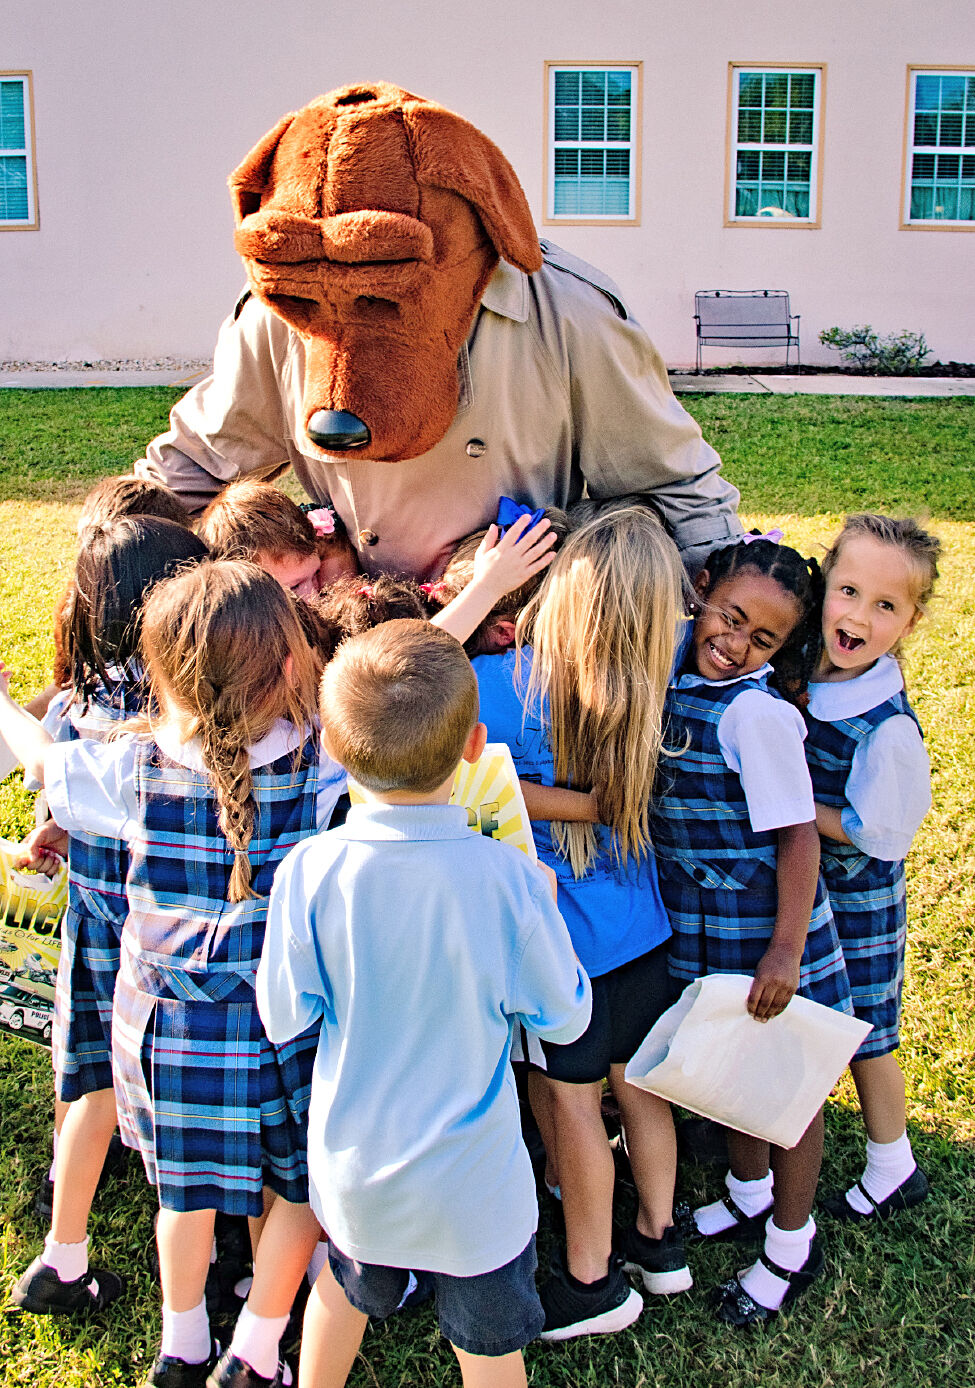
(209, 796)
(871, 782)
(99, 634)
(738, 856)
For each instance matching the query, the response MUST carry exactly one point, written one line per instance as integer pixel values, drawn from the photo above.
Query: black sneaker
(659, 1262)
(170, 1372)
(41, 1291)
(609, 1305)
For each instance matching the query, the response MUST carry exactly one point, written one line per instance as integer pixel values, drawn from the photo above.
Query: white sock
(317, 1261)
(889, 1164)
(186, 1334)
(69, 1260)
(789, 1248)
(751, 1197)
(256, 1340)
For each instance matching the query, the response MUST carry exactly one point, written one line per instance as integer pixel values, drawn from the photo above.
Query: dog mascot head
(371, 222)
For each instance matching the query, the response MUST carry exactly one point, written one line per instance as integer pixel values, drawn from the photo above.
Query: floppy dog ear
(250, 179)
(449, 152)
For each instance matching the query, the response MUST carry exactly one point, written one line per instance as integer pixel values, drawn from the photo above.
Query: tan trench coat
(559, 389)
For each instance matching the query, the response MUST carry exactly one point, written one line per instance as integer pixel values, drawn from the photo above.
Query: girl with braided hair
(209, 792)
(734, 828)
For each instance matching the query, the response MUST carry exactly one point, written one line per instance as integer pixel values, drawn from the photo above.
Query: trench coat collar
(507, 293)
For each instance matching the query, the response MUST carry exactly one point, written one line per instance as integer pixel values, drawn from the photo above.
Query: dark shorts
(625, 1004)
(492, 1314)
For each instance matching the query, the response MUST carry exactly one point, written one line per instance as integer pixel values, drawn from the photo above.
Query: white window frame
(815, 149)
(27, 151)
(909, 223)
(632, 217)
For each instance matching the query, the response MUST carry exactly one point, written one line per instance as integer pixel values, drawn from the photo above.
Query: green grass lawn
(895, 1307)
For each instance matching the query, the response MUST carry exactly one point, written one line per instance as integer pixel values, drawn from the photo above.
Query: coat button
(368, 537)
(476, 448)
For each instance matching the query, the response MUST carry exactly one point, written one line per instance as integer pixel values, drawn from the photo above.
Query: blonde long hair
(225, 654)
(603, 627)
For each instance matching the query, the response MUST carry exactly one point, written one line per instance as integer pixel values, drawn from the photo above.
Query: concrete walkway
(684, 383)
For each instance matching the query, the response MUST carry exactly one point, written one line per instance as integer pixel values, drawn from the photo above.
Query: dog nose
(337, 431)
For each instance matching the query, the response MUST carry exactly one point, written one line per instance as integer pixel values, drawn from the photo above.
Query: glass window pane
(952, 93)
(593, 88)
(617, 125)
(968, 167)
(746, 200)
(922, 203)
(12, 134)
(948, 167)
(567, 122)
(966, 205)
(591, 161)
(566, 161)
(13, 188)
(970, 128)
(618, 86)
(946, 203)
(748, 164)
(776, 89)
(970, 84)
(923, 168)
(618, 162)
(925, 128)
(927, 93)
(593, 123)
(775, 127)
(769, 200)
(799, 164)
(566, 88)
(566, 197)
(773, 167)
(800, 128)
(950, 133)
(750, 88)
(802, 89)
(749, 127)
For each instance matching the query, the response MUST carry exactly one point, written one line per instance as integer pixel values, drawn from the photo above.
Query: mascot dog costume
(409, 346)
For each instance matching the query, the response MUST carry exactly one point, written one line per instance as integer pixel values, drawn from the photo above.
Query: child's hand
(520, 553)
(553, 881)
(5, 678)
(775, 982)
(44, 849)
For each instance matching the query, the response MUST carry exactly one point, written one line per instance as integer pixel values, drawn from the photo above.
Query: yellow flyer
(31, 907)
(489, 791)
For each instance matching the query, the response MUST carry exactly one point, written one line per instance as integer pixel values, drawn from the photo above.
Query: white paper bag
(767, 1079)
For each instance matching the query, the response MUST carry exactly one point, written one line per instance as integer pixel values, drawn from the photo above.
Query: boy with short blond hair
(418, 944)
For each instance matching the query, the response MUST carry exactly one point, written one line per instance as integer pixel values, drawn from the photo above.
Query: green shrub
(897, 354)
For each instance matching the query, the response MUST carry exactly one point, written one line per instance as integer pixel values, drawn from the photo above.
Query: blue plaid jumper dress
(214, 1108)
(91, 931)
(867, 894)
(717, 875)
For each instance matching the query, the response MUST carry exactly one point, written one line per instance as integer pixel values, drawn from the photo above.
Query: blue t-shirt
(614, 914)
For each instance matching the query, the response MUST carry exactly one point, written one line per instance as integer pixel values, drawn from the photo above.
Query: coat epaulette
(572, 265)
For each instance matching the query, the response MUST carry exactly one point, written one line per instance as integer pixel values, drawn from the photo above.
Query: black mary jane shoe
(734, 1306)
(746, 1228)
(908, 1194)
(170, 1372)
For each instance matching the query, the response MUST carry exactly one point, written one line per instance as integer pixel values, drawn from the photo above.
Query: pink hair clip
(322, 521)
(775, 536)
(366, 591)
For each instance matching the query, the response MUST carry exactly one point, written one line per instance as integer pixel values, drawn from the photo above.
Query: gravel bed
(114, 364)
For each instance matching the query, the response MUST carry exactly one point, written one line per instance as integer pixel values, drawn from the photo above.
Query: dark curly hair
(794, 661)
